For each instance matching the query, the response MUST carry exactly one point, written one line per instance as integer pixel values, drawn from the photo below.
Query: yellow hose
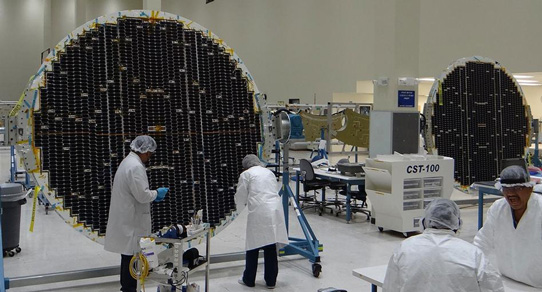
(144, 269)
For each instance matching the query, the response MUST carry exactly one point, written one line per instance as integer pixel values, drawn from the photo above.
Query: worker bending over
(258, 189)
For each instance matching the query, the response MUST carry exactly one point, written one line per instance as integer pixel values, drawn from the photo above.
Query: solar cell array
(480, 118)
(154, 77)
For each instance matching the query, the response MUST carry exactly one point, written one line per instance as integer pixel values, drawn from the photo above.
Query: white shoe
(240, 281)
(270, 287)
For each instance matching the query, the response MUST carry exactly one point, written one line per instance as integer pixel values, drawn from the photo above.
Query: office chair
(337, 186)
(361, 206)
(311, 183)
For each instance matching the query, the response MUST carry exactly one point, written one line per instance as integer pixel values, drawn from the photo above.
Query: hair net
(442, 214)
(250, 161)
(143, 144)
(514, 176)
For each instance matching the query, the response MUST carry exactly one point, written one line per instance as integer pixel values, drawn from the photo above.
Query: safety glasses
(513, 190)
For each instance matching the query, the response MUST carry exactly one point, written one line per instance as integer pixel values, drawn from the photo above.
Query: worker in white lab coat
(512, 233)
(130, 211)
(258, 190)
(439, 261)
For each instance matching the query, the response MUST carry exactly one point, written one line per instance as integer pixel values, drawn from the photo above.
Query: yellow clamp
(34, 203)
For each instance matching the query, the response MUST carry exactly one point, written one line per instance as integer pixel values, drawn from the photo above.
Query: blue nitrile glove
(161, 194)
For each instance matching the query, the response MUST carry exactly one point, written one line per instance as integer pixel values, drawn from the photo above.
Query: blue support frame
(308, 247)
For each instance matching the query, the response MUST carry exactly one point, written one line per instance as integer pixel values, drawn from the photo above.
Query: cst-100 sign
(422, 168)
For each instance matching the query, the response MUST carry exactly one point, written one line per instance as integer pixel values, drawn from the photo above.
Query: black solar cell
(121, 80)
(480, 118)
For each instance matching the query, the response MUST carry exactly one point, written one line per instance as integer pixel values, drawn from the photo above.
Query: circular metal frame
(22, 116)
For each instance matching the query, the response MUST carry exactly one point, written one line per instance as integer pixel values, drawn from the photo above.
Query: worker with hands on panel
(130, 209)
(258, 189)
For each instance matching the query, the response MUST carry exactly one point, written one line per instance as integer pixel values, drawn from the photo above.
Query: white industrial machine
(400, 186)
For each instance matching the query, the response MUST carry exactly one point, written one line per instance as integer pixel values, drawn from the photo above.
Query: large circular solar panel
(129, 74)
(478, 115)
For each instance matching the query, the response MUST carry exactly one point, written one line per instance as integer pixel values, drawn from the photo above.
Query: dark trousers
(271, 265)
(127, 282)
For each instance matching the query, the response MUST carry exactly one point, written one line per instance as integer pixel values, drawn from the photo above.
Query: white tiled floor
(55, 247)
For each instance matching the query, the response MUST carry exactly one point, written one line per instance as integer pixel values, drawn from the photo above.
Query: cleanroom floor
(54, 246)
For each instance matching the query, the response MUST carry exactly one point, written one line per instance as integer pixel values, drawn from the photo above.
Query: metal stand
(177, 275)
(309, 247)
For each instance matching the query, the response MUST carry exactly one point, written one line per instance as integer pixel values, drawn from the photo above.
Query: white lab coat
(438, 261)
(130, 208)
(258, 188)
(517, 251)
